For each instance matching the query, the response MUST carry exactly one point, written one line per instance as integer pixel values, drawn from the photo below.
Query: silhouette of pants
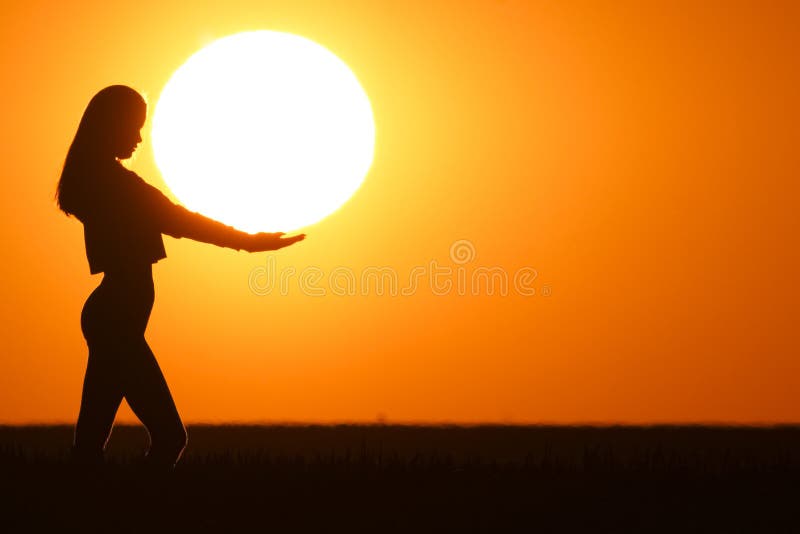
(121, 365)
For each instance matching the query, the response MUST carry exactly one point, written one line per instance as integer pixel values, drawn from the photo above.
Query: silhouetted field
(389, 478)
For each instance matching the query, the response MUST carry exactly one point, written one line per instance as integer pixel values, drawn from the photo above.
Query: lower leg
(166, 447)
(150, 399)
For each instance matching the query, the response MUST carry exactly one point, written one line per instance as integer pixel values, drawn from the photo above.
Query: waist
(129, 275)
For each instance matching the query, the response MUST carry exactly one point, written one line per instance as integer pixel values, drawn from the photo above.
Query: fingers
(274, 241)
(285, 242)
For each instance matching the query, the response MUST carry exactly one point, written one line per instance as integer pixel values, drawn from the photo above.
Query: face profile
(111, 124)
(128, 137)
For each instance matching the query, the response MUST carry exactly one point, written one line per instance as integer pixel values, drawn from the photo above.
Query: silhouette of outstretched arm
(180, 222)
(177, 221)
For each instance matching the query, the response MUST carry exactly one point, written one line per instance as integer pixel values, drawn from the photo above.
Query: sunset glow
(639, 158)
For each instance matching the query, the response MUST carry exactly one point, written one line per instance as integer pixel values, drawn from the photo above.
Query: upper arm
(175, 220)
(159, 210)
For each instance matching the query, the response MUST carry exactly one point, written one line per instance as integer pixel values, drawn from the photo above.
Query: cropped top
(123, 224)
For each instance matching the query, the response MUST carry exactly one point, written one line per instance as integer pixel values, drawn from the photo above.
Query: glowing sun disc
(264, 130)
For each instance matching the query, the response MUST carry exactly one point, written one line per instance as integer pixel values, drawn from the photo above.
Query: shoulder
(129, 177)
(138, 184)
(146, 196)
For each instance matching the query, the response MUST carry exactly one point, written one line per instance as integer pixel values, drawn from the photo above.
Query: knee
(179, 439)
(173, 440)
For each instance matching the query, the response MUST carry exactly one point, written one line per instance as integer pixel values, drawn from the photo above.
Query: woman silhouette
(123, 218)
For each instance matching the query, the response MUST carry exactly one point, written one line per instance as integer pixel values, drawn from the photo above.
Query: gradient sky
(642, 157)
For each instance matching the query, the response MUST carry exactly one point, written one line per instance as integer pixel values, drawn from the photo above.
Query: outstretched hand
(264, 241)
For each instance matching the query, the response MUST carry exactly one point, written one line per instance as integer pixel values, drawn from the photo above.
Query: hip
(118, 309)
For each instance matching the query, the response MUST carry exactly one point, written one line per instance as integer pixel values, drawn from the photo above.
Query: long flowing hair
(109, 114)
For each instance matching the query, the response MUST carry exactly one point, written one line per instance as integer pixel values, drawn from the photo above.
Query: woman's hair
(110, 114)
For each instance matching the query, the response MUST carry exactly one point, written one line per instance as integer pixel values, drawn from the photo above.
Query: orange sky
(641, 156)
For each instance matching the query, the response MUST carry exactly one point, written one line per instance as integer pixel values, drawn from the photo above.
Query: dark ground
(389, 478)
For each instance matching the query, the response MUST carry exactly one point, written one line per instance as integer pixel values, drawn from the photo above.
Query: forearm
(192, 225)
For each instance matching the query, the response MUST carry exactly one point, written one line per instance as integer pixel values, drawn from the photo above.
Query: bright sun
(265, 131)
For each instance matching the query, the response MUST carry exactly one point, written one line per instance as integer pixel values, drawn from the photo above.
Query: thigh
(147, 392)
(102, 395)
